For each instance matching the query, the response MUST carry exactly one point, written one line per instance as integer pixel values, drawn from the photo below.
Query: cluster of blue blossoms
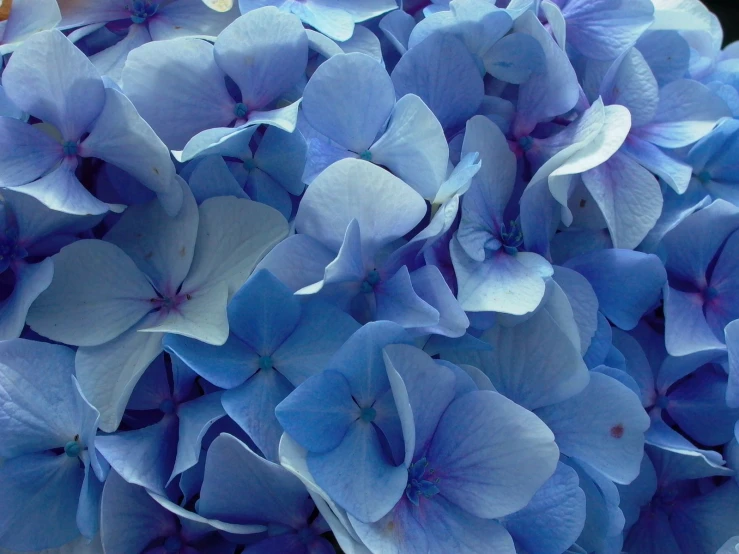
(317, 276)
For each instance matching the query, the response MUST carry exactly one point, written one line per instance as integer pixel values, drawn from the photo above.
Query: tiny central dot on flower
(240, 110)
(368, 415)
(141, 10)
(709, 294)
(704, 177)
(250, 164)
(366, 156)
(167, 406)
(72, 449)
(368, 285)
(265, 363)
(70, 148)
(526, 143)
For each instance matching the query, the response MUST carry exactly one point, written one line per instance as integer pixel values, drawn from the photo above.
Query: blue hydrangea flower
(83, 119)
(264, 54)
(276, 342)
(47, 434)
(116, 298)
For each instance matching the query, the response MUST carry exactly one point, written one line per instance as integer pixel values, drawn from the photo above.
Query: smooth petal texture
(443, 74)
(514, 58)
(145, 456)
(31, 281)
(233, 236)
(69, 99)
(36, 397)
(192, 17)
(435, 527)
(162, 247)
(281, 155)
(110, 62)
(604, 426)
(384, 206)
(195, 418)
(609, 271)
(629, 198)
(732, 343)
(178, 89)
(686, 328)
(554, 518)
(357, 476)
(97, 293)
(108, 373)
(257, 490)
(298, 261)
(490, 455)
(263, 313)
(265, 52)
(27, 152)
(130, 518)
(120, 137)
(687, 112)
(414, 147)
(422, 390)
(398, 302)
(630, 83)
(318, 414)
(533, 363)
(429, 284)
(501, 283)
(584, 303)
(674, 172)
(42, 485)
(348, 99)
(252, 405)
(60, 190)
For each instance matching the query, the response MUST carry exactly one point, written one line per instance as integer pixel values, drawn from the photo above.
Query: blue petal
(241, 487)
(31, 281)
(265, 52)
(319, 412)
(27, 152)
(195, 418)
(603, 426)
(554, 518)
(627, 283)
(490, 455)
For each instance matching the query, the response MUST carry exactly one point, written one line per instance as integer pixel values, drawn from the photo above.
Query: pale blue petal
(195, 418)
(27, 152)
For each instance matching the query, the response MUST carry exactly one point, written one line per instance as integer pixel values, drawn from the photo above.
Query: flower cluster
(317, 276)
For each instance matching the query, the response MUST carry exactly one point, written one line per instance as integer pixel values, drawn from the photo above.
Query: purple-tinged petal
(491, 455)
(687, 111)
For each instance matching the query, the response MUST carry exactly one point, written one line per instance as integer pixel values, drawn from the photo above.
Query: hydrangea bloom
(368, 277)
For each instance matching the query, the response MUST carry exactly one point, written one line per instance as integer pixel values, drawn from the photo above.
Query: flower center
(704, 177)
(141, 10)
(240, 110)
(250, 164)
(265, 363)
(368, 285)
(511, 237)
(366, 156)
(72, 449)
(167, 406)
(420, 482)
(526, 143)
(70, 148)
(368, 415)
(709, 294)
